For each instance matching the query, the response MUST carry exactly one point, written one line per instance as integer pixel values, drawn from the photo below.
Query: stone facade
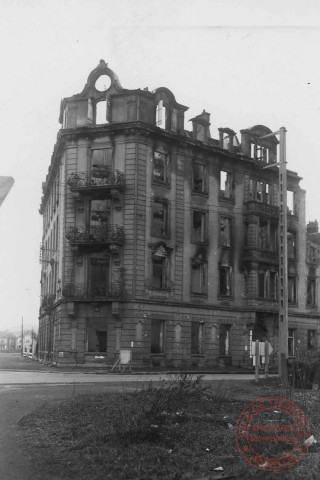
(163, 240)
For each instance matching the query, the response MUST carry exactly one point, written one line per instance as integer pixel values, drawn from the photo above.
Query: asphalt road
(26, 384)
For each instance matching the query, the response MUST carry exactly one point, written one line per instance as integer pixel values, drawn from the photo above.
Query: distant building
(165, 240)
(8, 341)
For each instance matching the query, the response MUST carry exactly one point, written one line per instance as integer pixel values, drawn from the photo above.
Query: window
(98, 275)
(224, 340)
(311, 253)
(311, 339)
(157, 336)
(160, 216)
(160, 167)
(225, 232)
(225, 184)
(196, 338)
(101, 158)
(101, 112)
(311, 291)
(260, 192)
(291, 239)
(199, 277)
(161, 115)
(268, 284)
(268, 235)
(292, 289)
(96, 335)
(291, 342)
(290, 203)
(159, 272)
(199, 233)
(225, 280)
(199, 178)
(259, 152)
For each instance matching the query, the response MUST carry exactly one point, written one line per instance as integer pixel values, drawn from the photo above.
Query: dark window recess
(159, 274)
(161, 115)
(198, 226)
(199, 278)
(98, 276)
(199, 178)
(225, 281)
(291, 342)
(291, 245)
(101, 159)
(311, 339)
(225, 232)
(197, 338)
(311, 291)
(224, 340)
(160, 167)
(268, 236)
(157, 336)
(160, 218)
(268, 284)
(292, 289)
(96, 335)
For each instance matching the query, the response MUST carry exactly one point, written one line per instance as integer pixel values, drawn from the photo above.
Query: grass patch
(181, 429)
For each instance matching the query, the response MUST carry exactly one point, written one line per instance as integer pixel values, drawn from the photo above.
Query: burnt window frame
(266, 273)
(166, 180)
(203, 290)
(313, 301)
(159, 346)
(229, 272)
(222, 192)
(166, 204)
(229, 242)
(225, 340)
(204, 228)
(204, 190)
(293, 289)
(197, 338)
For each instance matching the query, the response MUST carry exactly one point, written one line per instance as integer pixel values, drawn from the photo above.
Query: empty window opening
(291, 239)
(98, 275)
(311, 339)
(311, 291)
(292, 289)
(225, 280)
(101, 112)
(225, 184)
(290, 202)
(198, 226)
(160, 167)
(199, 178)
(160, 218)
(159, 272)
(268, 284)
(161, 115)
(291, 342)
(157, 336)
(197, 338)
(224, 340)
(199, 278)
(225, 232)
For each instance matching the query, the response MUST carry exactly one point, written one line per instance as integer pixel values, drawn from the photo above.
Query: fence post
(257, 365)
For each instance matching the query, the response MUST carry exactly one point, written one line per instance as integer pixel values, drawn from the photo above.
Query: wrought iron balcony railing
(96, 178)
(47, 301)
(83, 290)
(95, 234)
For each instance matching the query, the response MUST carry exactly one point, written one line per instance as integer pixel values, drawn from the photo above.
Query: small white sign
(125, 357)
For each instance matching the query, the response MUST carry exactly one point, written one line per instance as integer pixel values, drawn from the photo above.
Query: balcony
(102, 180)
(254, 207)
(83, 291)
(95, 235)
(47, 302)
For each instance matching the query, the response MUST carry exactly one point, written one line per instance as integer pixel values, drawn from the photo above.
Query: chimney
(313, 227)
(201, 124)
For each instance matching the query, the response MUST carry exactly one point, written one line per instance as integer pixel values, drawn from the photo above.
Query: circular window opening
(103, 83)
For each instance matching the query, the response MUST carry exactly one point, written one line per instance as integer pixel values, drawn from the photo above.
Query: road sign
(5, 186)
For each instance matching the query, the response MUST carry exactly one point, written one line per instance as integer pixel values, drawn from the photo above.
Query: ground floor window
(224, 344)
(291, 342)
(157, 336)
(97, 335)
(197, 338)
(311, 339)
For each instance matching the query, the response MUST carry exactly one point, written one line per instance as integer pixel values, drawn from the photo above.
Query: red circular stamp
(271, 433)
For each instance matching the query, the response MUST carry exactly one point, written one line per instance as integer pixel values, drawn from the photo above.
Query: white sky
(246, 62)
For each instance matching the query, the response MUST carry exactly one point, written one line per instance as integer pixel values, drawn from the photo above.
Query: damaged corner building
(165, 241)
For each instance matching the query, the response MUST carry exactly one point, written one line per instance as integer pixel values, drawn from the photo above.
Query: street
(25, 384)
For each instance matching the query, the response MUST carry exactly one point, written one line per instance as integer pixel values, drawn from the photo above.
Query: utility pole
(22, 336)
(283, 258)
(283, 254)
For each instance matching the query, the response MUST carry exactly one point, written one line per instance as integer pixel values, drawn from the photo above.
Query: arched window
(101, 112)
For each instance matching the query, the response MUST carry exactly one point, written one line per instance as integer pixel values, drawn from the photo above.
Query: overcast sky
(244, 62)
